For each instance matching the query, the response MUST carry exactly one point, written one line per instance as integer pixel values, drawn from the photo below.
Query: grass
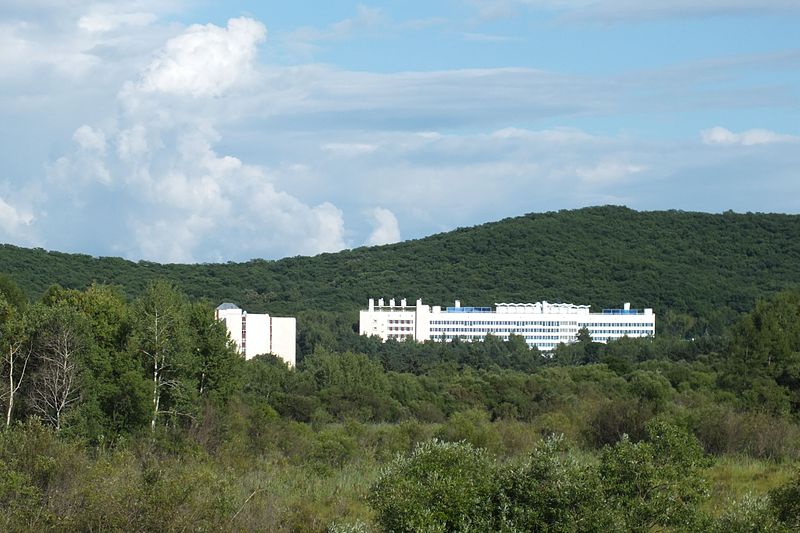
(733, 478)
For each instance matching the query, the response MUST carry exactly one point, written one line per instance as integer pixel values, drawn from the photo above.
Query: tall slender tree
(160, 336)
(16, 350)
(62, 339)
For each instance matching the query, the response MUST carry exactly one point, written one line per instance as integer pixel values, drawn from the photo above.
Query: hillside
(703, 265)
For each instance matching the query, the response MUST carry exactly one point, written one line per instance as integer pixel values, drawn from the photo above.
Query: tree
(217, 360)
(160, 335)
(352, 385)
(116, 394)
(62, 339)
(16, 351)
(11, 292)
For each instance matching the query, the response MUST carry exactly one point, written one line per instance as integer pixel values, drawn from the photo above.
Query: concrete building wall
(258, 341)
(256, 334)
(233, 322)
(284, 334)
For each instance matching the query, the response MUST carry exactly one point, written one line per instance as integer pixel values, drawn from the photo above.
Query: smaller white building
(256, 334)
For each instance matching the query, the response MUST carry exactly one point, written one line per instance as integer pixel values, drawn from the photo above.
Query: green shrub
(552, 491)
(658, 482)
(785, 502)
(749, 515)
(440, 486)
(472, 426)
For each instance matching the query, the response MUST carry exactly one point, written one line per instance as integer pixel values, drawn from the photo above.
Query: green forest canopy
(687, 266)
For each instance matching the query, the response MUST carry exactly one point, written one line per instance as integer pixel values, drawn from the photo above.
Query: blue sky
(222, 131)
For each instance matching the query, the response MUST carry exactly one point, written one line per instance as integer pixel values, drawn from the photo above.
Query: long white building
(542, 324)
(259, 334)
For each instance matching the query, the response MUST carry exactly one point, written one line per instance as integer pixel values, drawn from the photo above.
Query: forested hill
(681, 263)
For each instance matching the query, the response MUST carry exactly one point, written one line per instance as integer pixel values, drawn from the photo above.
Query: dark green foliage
(636, 487)
(698, 271)
(785, 502)
(354, 402)
(657, 482)
(352, 385)
(764, 362)
(218, 364)
(553, 491)
(11, 293)
(440, 486)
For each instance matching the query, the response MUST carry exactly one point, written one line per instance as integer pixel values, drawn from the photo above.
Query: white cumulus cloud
(386, 229)
(205, 60)
(13, 220)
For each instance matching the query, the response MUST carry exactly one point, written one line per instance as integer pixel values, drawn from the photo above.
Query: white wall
(233, 321)
(284, 334)
(264, 334)
(257, 335)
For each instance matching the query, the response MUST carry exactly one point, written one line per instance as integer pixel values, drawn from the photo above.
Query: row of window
(620, 332)
(618, 325)
(546, 323)
(401, 321)
(499, 330)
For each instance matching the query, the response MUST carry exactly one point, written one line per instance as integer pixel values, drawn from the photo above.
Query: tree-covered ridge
(699, 271)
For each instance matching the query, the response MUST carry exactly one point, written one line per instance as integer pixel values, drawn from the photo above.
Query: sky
(179, 131)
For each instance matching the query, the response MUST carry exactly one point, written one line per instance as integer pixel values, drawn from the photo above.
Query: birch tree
(61, 341)
(160, 337)
(16, 351)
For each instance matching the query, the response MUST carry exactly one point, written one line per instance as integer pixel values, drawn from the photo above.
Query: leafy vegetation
(127, 407)
(698, 271)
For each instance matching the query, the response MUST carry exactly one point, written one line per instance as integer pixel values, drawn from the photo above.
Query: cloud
(365, 18)
(176, 143)
(178, 199)
(205, 60)
(349, 149)
(13, 219)
(100, 22)
(606, 172)
(386, 229)
(24, 50)
(725, 137)
(90, 139)
(303, 41)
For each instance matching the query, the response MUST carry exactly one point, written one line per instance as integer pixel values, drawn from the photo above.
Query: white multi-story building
(259, 334)
(542, 324)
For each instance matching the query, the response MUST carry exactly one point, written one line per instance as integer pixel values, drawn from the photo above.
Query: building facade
(542, 324)
(259, 334)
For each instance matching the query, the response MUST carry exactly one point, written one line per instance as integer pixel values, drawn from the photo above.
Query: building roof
(226, 306)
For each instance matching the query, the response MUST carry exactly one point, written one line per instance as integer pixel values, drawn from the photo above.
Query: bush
(785, 502)
(472, 426)
(440, 486)
(750, 515)
(553, 492)
(658, 482)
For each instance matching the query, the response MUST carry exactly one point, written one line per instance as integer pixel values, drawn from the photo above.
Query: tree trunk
(10, 385)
